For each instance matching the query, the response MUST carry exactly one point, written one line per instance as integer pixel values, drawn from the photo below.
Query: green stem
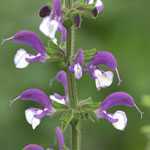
(75, 136)
(72, 89)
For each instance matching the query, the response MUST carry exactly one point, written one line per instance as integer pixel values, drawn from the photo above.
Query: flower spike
(118, 119)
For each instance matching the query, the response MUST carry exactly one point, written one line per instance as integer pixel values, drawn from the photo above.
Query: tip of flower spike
(11, 102)
(7, 39)
(118, 76)
(139, 110)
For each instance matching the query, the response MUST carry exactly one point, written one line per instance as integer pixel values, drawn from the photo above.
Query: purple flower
(76, 67)
(98, 6)
(117, 119)
(52, 22)
(22, 58)
(33, 147)
(60, 138)
(60, 141)
(103, 78)
(61, 77)
(34, 115)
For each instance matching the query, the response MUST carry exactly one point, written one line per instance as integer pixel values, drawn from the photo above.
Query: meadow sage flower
(77, 66)
(22, 58)
(103, 78)
(34, 115)
(98, 6)
(61, 77)
(52, 22)
(119, 118)
(60, 141)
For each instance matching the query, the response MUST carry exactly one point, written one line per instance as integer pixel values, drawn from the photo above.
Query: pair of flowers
(35, 115)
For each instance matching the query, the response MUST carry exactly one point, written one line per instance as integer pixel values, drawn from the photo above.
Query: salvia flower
(22, 58)
(60, 141)
(34, 115)
(77, 66)
(103, 78)
(98, 6)
(61, 77)
(117, 119)
(52, 22)
(33, 147)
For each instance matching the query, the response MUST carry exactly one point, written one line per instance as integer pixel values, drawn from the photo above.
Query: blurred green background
(123, 29)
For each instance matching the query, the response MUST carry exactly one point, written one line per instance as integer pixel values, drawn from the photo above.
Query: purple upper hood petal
(56, 9)
(36, 95)
(63, 32)
(117, 98)
(60, 138)
(33, 147)
(104, 58)
(79, 57)
(31, 39)
(62, 78)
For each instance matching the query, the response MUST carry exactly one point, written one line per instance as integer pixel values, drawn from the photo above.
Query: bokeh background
(123, 29)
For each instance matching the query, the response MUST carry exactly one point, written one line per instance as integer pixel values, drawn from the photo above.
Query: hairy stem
(75, 136)
(72, 89)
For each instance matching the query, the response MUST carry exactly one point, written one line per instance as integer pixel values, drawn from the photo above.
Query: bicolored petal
(44, 11)
(58, 98)
(99, 7)
(36, 95)
(117, 119)
(78, 72)
(20, 60)
(105, 58)
(103, 79)
(33, 147)
(60, 138)
(28, 38)
(76, 67)
(30, 115)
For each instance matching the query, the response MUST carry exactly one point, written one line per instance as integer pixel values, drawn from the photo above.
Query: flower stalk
(72, 89)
